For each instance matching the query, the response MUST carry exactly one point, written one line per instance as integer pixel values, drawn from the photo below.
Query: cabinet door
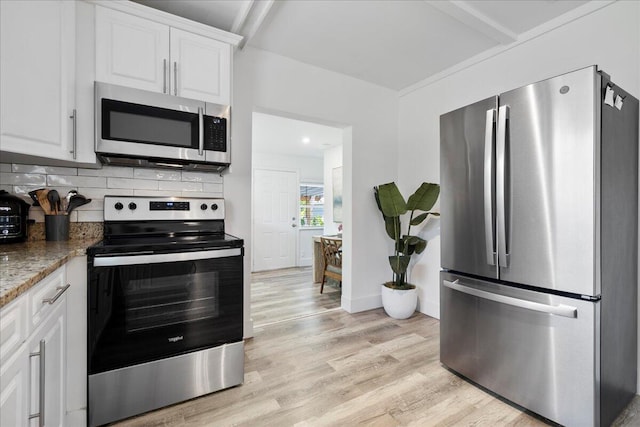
(131, 51)
(200, 67)
(37, 74)
(52, 333)
(14, 378)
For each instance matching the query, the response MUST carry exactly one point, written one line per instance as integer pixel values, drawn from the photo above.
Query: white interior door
(275, 219)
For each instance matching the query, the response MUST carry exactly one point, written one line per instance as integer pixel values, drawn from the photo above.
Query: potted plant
(400, 298)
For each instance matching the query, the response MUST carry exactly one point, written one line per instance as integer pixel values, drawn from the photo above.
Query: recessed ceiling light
(306, 140)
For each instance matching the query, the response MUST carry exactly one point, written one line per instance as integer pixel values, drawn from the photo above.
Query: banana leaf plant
(393, 207)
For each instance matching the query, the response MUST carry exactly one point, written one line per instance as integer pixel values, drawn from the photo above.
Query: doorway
(291, 161)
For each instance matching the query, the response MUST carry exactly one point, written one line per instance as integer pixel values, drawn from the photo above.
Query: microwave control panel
(215, 133)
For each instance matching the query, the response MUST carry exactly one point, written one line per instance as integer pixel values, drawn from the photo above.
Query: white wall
(270, 83)
(310, 170)
(332, 160)
(609, 37)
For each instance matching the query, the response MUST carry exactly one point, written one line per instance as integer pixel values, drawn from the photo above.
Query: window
(311, 205)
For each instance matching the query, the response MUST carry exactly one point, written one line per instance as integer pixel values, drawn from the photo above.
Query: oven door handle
(114, 261)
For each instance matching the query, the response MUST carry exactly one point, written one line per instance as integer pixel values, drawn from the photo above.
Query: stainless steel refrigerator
(539, 246)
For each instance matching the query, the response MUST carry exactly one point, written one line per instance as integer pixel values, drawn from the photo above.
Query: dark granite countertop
(25, 264)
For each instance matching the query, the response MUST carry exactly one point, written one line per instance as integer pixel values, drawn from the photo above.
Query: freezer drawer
(535, 349)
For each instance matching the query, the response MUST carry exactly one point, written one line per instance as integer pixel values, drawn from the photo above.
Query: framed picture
(337, 194)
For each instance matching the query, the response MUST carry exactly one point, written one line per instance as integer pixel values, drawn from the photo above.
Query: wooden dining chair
(332, 251)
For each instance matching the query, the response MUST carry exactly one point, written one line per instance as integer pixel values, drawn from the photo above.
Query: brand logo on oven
(176, 339)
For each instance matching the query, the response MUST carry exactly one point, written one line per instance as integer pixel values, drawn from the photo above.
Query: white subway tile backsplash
(76, 181)
(44, 170)
(201, 177)
(213, 188)
(200, 194)
(109, 171)
(179, 186)
(95, 184)
(99, 193)
(90, 216)
(142, 184)
(22, 179)
(153, 193)
(158, 174)
(36, 214)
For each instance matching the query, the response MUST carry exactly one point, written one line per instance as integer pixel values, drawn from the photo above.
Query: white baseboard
(361, 304)
(430, 308)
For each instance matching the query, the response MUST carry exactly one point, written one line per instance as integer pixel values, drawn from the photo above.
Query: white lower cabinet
(33, 375)
(47, 353)
(14, 397)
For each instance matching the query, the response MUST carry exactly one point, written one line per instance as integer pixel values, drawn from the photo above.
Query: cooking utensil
(34, 196)
(76, 201)
(54, 201)
(44, 201)
(67, 199)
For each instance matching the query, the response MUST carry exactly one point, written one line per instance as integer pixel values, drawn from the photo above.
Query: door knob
(293, 225)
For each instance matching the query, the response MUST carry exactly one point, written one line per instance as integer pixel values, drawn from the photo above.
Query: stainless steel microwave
(147, 129)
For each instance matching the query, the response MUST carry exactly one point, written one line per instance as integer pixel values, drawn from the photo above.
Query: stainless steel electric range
(165, 303)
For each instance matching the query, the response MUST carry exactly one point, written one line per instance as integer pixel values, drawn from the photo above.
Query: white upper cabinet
(140, 53)
(201, 67)
(131, 51)
(37, 75)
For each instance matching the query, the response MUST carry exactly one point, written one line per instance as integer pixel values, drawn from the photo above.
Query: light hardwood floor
(286, 294)
(339, 369)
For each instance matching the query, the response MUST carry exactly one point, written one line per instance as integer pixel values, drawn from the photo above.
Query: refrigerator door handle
(558, 310)
(501, 172)
(489, 180)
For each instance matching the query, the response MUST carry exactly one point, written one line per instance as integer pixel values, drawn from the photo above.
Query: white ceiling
(390, 43)
(280, 135)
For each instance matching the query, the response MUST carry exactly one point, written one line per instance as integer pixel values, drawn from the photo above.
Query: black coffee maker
(14, 215)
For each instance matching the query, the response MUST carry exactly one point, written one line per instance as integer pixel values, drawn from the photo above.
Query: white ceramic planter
(399, 304)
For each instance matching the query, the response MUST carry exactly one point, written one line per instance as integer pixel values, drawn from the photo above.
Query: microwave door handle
(164, 75)
(175, 78)
(200, 131)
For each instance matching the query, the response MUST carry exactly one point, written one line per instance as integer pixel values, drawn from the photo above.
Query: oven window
(149, 311)
(170, 300)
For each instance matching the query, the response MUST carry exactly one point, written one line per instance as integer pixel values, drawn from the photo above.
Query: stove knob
(132, 206)
(203, 207)
(118, 206)
(214, 207)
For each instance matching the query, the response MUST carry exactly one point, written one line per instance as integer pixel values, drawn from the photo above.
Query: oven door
(148, 307)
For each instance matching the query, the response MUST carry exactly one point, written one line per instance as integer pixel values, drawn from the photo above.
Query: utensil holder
(56, 227)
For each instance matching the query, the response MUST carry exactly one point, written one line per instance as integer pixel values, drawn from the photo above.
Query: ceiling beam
(473, 18)
(250, 18)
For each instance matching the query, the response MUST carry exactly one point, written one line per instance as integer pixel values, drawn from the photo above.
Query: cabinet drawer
(13, 326)
(42, 296)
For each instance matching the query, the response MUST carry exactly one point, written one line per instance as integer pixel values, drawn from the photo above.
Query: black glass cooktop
(163, 237)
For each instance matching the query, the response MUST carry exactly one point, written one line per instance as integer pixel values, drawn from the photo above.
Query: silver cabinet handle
(200, 131)
(73, 150)
(61, 290)
(175, 78)
(489, 179)
(559, 310)
(164, 75)
(501, 164)
(40, 414)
